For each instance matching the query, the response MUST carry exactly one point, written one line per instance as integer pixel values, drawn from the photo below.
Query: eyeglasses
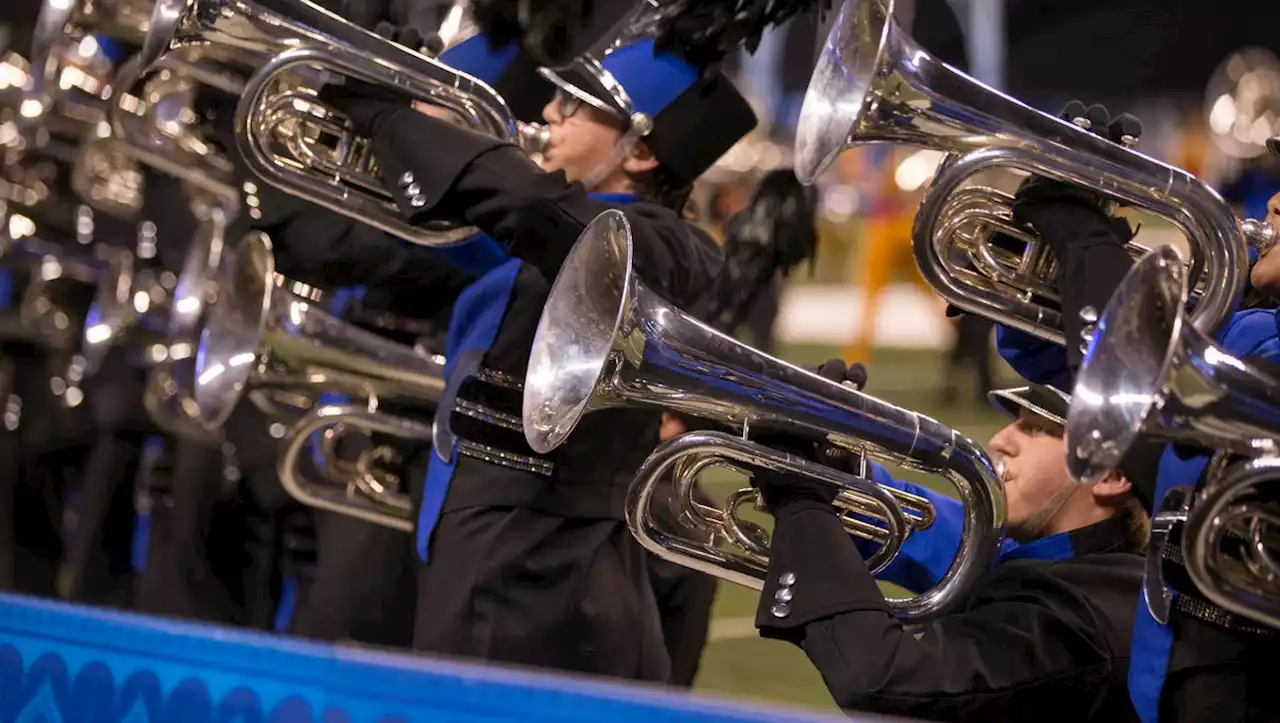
(566, 104)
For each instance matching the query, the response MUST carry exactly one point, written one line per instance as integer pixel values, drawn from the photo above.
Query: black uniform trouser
(684, 599)
(514, 585)
(1219, 675)
(363, 586)
(214, 552)
(30, 509)
(972, 346)
(97, 566)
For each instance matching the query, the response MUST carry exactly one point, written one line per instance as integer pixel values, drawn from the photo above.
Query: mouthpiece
(534, 137)
(1259, 234)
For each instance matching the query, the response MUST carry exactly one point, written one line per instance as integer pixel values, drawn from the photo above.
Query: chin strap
(621, 149)
(1033, 528)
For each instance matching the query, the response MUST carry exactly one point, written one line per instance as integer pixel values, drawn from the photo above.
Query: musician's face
(1266, 273)
(582, 137)
(1035, 473)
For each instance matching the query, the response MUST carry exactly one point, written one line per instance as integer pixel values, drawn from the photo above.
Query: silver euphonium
(169, 396)
(258, 335)
(873, 83)
(153, 121)
(1231, 540)
(458, 26)
(65, 56)
(1150, 374)
(285, 50)
(49, 311)
(605, 341)
(155, 126)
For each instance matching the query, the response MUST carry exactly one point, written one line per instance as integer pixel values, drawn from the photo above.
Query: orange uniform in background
(885, 255)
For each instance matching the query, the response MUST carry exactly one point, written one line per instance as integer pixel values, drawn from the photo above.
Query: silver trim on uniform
(623, 109)
(1017, 397)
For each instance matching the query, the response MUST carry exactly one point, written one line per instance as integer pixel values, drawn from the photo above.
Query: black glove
(367, 105)
(1063, 213)
(411, 38)
(784, 493)
(831, 455)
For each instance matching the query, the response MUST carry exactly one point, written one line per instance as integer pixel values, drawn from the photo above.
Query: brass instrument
(65, 55)
(169, 396)
(968, 250)
(369, 492)
(284, 50)
(873, 83)
(1232, 539)
(605, 341)
(49, 312)
(257, 335)
(156, 127)
(1242, 103)
(1151, 374)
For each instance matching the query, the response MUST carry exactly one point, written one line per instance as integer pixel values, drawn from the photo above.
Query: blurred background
(1203, 78)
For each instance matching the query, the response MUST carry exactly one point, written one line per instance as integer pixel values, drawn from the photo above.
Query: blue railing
(64, 663)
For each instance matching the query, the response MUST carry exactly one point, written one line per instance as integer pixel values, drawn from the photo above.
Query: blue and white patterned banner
(61, 663)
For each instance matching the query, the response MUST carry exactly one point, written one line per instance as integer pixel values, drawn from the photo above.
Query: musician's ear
(1112, 490)
(639, 160)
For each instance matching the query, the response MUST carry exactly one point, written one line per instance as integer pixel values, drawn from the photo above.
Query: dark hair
(661, 187)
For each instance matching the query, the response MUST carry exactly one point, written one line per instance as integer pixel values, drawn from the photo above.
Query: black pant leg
(529, 588)
(358, 585)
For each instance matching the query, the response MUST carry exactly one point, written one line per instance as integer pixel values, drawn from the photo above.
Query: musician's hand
(411, 38)
(1124, 129)
(672, 426)
(365, 104)
(1066, 213)
(835, 370)
(783, 492)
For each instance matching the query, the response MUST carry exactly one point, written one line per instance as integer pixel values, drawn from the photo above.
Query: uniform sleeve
(1090, 267)
(318, 246)
(926, 555)
(1035, 360)
(439, 171)
(1010, 651)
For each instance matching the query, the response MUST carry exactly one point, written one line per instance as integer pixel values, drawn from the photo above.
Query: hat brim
(1043, 401)
(578, 81)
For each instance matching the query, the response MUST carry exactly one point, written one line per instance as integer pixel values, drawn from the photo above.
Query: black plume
(705, 31)
(774, 233)
(499, 20)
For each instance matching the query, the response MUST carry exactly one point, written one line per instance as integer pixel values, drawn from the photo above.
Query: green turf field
(737, 662)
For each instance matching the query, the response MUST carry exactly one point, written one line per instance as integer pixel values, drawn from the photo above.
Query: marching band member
(1203, 664)
(527, 558)
(346, 547)
(1047, 635)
